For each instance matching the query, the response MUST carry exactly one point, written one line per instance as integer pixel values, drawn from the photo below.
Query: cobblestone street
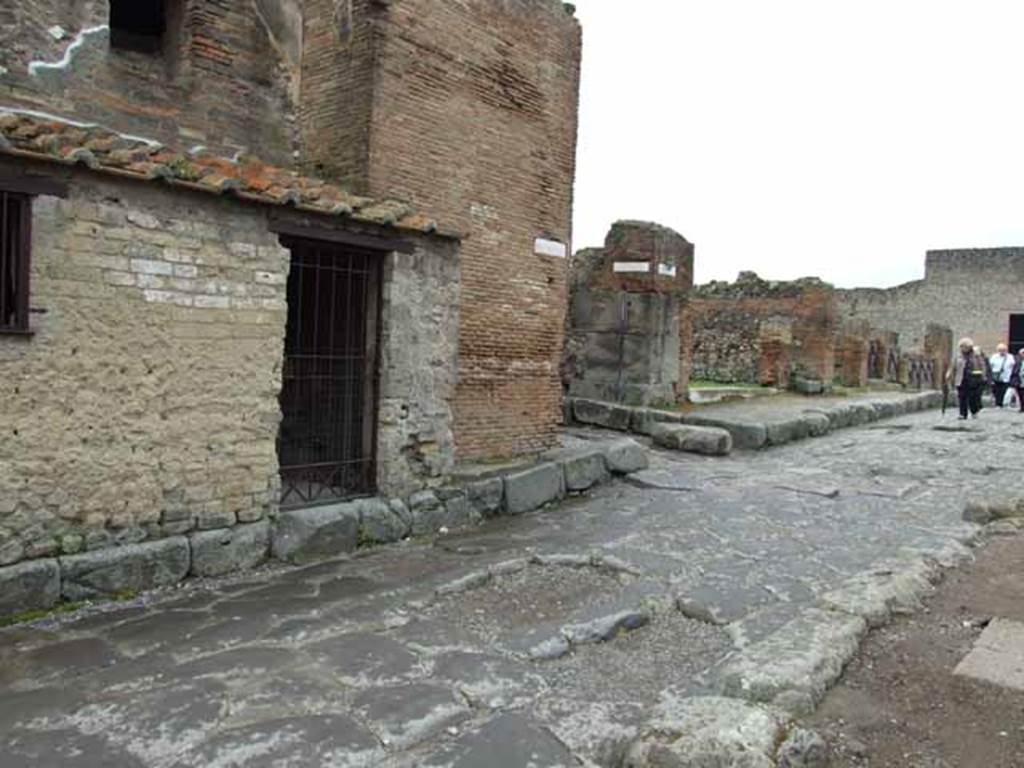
(548, 639)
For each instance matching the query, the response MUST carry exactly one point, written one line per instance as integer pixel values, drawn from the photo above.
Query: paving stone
(803, 749)
(508, 739)
(366, 659)
(136, 567)
(787, 431)
(71, 657)
(428, 513)
(411, 713)
(347, 588)
(487, 680)
(239, 663)
(239, 548)
(997, 656)
(307, 535)
(311, 740)
(624, 456)
(157, 631)
(708, 731)
(709, 441)
(533, 488)
(794, 666)
(600, 414)
(29, 586)
(25, 748)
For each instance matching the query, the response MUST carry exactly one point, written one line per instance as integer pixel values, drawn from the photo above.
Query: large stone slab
(306, 535)
(135, 567)
(29, 586)
(600, 414)
(382, 522)
(510, 739)
(583, 468)
(794, 666)
(646, 419)
(746, 435)
(997, 656)
(708, 731)
(240, 548)
(709, 441)
(533, 488)
(486, 495)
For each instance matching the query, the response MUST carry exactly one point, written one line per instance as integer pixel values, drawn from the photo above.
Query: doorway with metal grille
(327, 440)
(1016, 335)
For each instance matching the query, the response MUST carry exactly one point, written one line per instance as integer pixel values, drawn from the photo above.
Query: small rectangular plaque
(641, 267)
(667, 270)
(544, 247)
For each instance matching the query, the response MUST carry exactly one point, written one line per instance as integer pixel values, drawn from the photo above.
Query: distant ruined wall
(973, 291)
(759, 332)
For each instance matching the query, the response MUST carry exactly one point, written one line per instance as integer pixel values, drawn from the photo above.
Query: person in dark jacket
(967, 374)
(1017, 379)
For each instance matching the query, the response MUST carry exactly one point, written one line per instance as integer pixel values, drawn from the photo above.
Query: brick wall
(974, 291)
(474, 120)
(760, 332)
(146, 403)
(226, 79)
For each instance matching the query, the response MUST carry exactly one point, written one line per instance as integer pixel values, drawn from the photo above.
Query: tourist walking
(1001, 366)
(1017, 379)
(967, 374)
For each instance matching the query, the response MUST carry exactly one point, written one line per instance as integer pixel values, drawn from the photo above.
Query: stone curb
(754, 435)
(307, 535)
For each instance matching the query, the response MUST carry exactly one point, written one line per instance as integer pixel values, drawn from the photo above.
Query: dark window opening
(1016, 333)
(15, 236)
(138, 25)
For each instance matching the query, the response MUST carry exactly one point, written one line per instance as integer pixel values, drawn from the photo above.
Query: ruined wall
(973, 291)
(227, 78)
(474, 114)
(623, 326)
(146, 403)
(760, 332)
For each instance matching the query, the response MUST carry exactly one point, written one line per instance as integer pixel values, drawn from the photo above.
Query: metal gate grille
(326, 445)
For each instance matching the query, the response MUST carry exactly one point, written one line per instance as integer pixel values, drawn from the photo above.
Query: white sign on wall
(544, 247)
(667, 270)
(642, 267)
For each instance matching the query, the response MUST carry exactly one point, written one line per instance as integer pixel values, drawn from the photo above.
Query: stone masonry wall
(146, 403)
(474, 115)
(227, 78)
(759, 332)
(623, 328)
(973, 291)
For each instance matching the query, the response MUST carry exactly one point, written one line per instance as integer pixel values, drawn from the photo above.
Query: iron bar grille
(326, 444)
(15, 236)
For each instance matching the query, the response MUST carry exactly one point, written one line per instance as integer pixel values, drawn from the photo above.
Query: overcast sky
(837, 138)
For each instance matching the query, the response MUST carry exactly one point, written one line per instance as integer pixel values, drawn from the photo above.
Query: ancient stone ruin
(623, 335)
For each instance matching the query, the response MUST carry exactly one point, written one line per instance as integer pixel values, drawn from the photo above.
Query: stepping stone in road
(997, 656)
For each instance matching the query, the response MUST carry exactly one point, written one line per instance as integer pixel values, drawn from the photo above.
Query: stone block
(486, 496)
(708, 441)
(240, 548)
(786, 431)
(533, 488)
(428, 513)
(804, 386)
(624, 456)
(306, 535)
(458, 511)
(583, 469)
(646, 419)
(29, 586)
(383, 522)
(745, 435)
(598, 414)
(136, 567)
(818, 424)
